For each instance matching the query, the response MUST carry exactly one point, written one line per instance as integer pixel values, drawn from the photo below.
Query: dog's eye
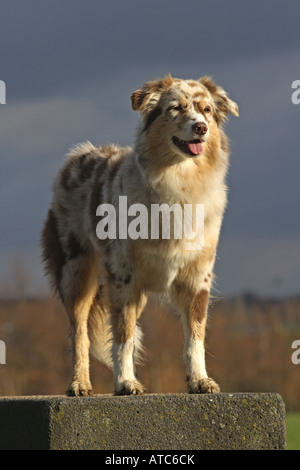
(207, 109)
(177, 108)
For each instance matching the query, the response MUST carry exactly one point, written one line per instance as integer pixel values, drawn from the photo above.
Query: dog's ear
(146, 98)
(223, 103)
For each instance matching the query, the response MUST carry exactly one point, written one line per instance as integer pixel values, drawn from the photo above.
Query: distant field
(293, 431)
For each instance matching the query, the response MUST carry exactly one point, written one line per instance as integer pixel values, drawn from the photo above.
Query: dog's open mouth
(190, 147)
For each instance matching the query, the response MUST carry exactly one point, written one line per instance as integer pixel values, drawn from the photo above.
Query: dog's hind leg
(74, 275)
(79, 286)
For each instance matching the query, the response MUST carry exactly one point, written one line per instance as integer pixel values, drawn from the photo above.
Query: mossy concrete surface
(147, 422)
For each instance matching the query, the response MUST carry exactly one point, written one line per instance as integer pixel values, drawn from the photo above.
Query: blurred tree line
(248, 348)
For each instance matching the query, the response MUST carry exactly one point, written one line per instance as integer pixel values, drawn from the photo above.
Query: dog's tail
(100, 334)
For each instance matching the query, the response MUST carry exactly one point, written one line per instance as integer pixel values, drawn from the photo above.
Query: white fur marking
(195, 359)
(123, 362)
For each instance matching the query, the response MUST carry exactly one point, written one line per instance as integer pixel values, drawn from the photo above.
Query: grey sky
(70, 67)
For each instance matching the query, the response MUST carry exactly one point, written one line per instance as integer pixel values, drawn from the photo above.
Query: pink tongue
(195, 148)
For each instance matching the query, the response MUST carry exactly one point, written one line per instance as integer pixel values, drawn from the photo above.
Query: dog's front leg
(194, 311)
(124, 336)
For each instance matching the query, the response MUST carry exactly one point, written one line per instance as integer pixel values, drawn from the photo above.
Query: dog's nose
(200, 128)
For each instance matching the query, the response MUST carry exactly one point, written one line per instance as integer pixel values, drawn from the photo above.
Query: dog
(180, 156)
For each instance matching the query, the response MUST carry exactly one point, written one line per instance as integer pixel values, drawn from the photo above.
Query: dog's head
(185, 113)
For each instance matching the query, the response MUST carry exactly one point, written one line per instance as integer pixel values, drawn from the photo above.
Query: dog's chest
(159, 264)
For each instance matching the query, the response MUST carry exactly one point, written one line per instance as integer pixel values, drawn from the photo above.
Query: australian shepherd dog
(180, 156)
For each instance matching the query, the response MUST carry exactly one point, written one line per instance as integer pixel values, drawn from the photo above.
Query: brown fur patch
(197, 314)
(198, 94)
(53, 254)
(197, 106)
(124, 320)
(74, 247)
(98, 300)
(140, 98)
(223, 104)
(66, 178)
(192, 84)
(120, 325)
(109, 150)
(86, 167)
(113, 168)
(152, 117)
(96, 193)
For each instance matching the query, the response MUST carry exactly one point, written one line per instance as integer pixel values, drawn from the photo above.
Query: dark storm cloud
(70, 67)
(51, 47)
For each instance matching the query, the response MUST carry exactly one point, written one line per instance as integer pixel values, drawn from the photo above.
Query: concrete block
(146, 422)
